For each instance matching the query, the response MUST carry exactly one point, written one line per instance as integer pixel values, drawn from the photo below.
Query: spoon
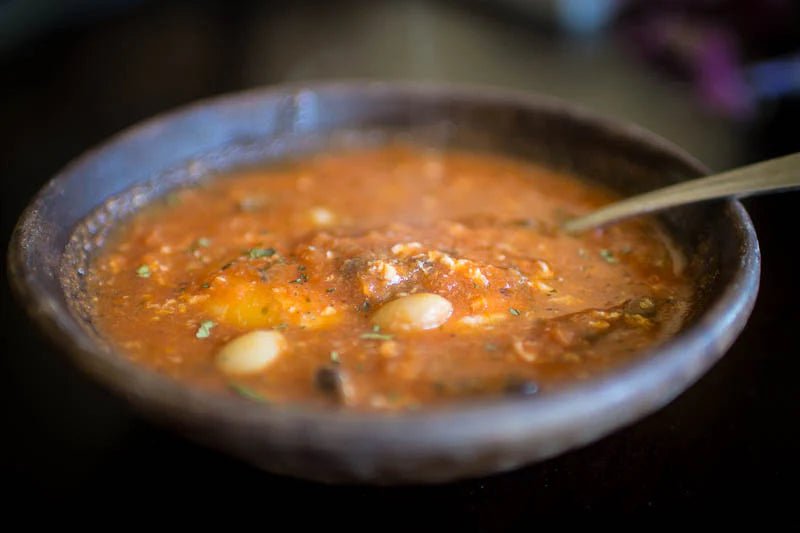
(779, 174)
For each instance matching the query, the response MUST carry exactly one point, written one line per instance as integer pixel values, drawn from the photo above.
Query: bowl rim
(571, 417)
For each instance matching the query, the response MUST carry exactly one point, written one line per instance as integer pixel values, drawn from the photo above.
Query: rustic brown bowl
(69, 217)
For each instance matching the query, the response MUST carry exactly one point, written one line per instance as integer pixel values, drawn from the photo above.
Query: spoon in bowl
(773, 175)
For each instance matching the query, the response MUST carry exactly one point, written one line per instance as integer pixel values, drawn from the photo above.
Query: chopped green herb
(205, 328)
(365, 306)
(202, 242)
(377, 336)
(335, 357)
(513, 311)
(376, 328)
(205, 285)
(143, 271)
(256, 253)
(608, 256)
(247, 392)
(302, 278)
(330, 289)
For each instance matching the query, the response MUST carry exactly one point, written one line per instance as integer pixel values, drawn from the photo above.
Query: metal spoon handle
(772, 175)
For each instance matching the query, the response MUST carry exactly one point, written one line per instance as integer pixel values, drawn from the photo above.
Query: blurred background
(720, 78)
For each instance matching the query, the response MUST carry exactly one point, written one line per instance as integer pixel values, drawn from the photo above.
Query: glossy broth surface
(385, 278)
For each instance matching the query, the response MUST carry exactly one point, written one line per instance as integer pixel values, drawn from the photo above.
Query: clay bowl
(71, 214)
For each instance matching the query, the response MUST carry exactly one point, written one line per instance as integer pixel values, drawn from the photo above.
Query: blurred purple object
(709, 44)
(719, 78)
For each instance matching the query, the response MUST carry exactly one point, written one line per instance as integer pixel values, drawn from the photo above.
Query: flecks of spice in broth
(359, 191)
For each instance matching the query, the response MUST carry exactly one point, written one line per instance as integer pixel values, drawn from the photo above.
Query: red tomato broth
(315, 249)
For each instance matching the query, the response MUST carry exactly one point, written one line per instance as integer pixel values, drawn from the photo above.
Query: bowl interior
(71, 216)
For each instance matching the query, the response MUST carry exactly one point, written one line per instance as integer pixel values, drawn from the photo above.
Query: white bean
(251, 352)
(415, 312)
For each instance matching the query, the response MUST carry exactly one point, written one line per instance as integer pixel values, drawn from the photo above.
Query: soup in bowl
(368, 282)
(395, 277)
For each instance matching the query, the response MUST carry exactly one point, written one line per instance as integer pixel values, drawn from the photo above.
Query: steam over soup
(388, 278)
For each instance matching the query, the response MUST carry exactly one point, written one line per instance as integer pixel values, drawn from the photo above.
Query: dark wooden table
(728, 445)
